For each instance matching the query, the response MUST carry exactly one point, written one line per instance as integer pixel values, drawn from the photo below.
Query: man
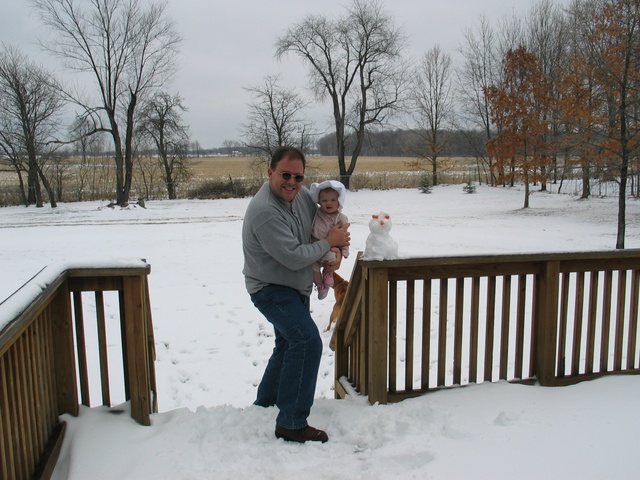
(278, 256)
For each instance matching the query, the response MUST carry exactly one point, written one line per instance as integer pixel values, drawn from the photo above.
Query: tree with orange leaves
(517, 106)
(600, 94)
(579, 105)
(612, 55)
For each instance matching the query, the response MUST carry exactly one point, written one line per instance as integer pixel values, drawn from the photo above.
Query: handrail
(43, 354)
(410, 326)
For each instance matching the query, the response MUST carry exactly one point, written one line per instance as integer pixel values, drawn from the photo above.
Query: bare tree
(161, 123)
(432, 106)
(196, 148)
(231, 147)
(354, 62)
(547, 39)
(511, 34)
(276, 118)
(14, 160)
(129, 49)
(480, 68)
(29, 117)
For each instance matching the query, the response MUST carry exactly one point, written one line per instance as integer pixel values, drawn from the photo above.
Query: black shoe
(301, 435)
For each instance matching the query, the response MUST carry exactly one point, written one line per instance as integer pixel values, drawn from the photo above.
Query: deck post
(341, 363)
(546, 322)
(64, 355)
(137, 355)
(378, 309)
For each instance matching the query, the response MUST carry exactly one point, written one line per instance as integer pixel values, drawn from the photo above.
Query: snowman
(380, 245)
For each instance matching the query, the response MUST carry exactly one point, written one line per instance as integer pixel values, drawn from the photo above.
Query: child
(329, 195)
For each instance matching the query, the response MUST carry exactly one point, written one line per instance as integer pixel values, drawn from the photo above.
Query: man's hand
(339, 235)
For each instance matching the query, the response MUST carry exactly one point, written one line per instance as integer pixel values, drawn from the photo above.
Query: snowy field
(212, 346)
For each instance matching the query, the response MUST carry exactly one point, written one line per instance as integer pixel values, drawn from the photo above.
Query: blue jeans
(289, 381)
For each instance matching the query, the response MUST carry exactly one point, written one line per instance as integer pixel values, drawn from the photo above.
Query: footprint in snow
(505, 419)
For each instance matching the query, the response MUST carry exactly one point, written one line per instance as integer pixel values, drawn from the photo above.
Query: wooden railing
(44, 355)
(414, 325)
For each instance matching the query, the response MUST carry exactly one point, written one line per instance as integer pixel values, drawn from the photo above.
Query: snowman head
(380, 223)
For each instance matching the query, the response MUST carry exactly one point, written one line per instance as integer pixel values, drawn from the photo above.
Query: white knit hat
(334, 184)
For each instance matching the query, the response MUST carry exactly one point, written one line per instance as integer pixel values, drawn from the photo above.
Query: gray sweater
(275, 241)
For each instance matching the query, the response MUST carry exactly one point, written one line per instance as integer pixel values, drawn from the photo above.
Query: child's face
(328, 200)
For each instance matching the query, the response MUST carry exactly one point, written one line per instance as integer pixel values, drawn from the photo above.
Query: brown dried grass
(221, 166)
(223, 176)
(376, 173)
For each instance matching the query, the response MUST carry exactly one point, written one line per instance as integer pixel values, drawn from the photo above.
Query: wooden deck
(43, 357)
(412, 326)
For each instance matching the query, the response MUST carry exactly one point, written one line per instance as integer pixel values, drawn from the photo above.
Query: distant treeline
(387, 143)
(410, 143)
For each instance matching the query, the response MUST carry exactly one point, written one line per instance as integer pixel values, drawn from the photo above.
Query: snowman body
(380, 245)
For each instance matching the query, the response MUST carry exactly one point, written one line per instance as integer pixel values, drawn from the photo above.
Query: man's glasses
(286, 176)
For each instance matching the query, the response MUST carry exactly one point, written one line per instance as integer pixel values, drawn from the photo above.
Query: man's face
(286, 189)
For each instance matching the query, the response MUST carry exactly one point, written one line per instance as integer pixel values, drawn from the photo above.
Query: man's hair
(290, 152)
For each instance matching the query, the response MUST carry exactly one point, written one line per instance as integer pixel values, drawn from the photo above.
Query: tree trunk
(561, 181)
(543, 178)
(168, 167)
(624, 174)
(23, 193)
(345, 180)
(128, 152)
(35, 193)
(48, 188)
(119, 161)
(340, 146)
(168, 174)
(434, 171)
(513, 173)
(622, 199)
(586, 181)
(622, 210)
(342, 170)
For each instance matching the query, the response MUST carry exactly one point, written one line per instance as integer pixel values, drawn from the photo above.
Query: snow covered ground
(212, 346)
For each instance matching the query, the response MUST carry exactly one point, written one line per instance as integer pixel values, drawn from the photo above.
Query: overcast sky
(228, 45)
